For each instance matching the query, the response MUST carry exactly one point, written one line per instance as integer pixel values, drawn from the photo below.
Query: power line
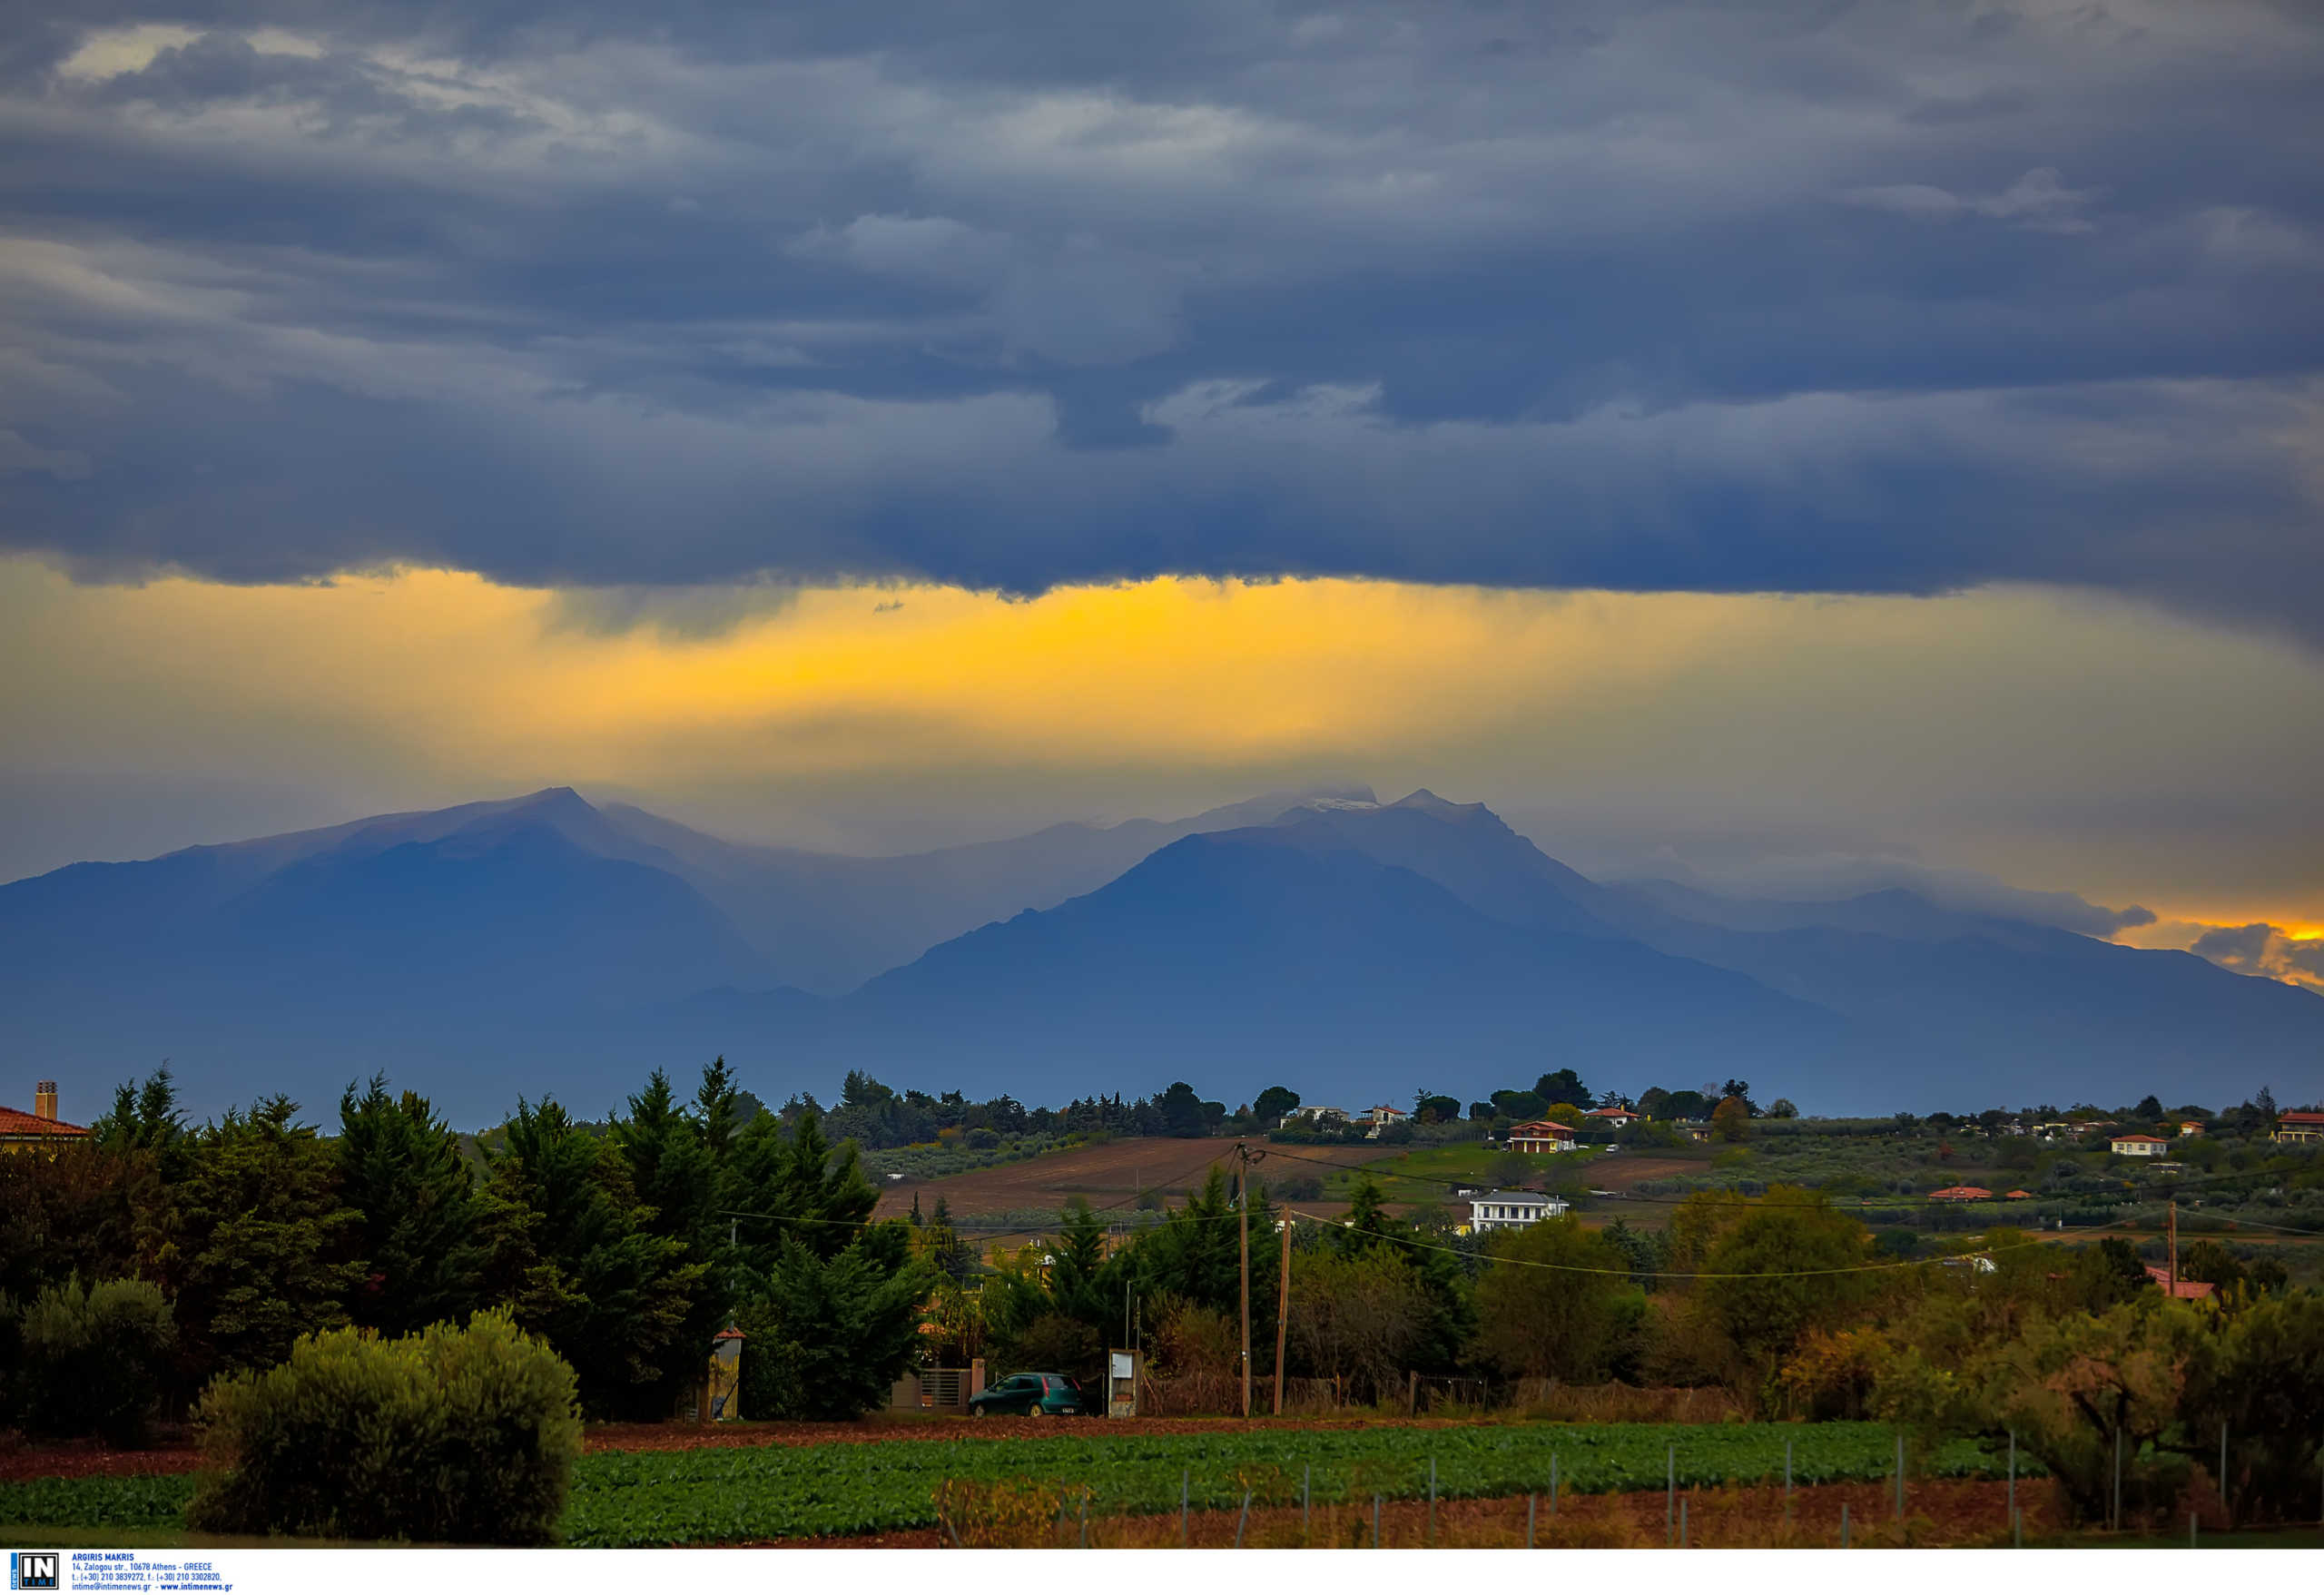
(2157, 1192)
(1413, 1240)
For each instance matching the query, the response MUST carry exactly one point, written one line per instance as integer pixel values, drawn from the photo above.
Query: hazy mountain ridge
(1351, 948)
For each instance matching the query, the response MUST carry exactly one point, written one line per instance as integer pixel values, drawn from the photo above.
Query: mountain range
(1353, 949)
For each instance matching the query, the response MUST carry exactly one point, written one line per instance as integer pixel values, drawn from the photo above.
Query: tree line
(625, 1248)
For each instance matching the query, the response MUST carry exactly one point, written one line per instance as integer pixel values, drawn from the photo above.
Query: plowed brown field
(1108, 1177)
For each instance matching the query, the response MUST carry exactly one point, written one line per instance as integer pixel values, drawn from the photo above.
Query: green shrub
(465, 1437)
(91, 1360)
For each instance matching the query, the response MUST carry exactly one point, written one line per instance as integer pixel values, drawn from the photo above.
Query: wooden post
(1282, 1314)
(1900, 1475)
(2225, 1511)
(1412, 1392)
(1671, 1497)
(1553, 1483)
(2118, 1477)
(1529, 1522)
(2012, 1475)
(1243, 1203)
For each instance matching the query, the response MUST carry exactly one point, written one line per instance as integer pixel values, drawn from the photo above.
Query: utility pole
(1281, 1312)
(1243, 1204)
(2172, 1288)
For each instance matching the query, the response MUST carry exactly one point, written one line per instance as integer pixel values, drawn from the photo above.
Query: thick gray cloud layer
(1769, 296)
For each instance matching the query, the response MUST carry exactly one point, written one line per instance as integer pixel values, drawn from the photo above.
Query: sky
(1782, 444)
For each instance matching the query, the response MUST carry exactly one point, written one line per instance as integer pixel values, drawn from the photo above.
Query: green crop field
(724, 1494)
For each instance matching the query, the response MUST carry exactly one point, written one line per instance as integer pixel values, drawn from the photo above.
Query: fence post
(1844, 1525)
(1432, 1500)
(1553, 1483)
(2012, 1475)
(1412, 1392)
(1307, 1479)
(1670, 1496)
(1244, 1521)
(1787, 1479)
(1085, 1517)
(1529, 1499)
(1184, 1474)
(1376, 1522)
(2118, 1478)
(1682, 1525)
(2225, 1511)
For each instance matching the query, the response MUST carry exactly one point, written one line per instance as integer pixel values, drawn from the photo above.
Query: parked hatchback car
(1029, 1395)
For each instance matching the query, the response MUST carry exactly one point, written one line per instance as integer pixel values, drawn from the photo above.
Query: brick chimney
(45, 1100)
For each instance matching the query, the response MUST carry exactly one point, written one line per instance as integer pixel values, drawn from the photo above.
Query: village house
(1490, 1210)
(2140, 1145)
(39, 1130)
(1962, 1194)
(1379, 1118)
(1317, 1113)
(2191, 1127)
(2298, 1126)
(1613, 1118)
(1541, 1135)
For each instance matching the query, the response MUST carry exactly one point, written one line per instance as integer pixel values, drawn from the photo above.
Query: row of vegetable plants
(725, 1494)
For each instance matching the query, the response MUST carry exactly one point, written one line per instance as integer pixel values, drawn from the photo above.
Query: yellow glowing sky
(2059, 743)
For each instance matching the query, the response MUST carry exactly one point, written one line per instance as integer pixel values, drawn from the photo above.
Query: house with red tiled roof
(39, 1129)
(2139, 1146)
(1541, 1135)
(2299, 1124)
(2019, 1196)
(1962, 1194)
(1613, 1118)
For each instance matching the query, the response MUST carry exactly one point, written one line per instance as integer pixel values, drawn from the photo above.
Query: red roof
(2302, 1116)
(2186, 1290)
(1962, 1194)
(15, 1124)
(2156, 1139)
(1532, 1128)
(2021, 1196)
(1610, 1113)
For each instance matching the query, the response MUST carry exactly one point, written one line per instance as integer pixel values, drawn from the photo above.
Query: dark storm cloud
(1775, 296)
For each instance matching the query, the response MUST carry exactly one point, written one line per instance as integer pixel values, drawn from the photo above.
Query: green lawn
(724, 1494)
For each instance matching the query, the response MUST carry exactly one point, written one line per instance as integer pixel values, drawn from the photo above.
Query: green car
(1029, 1395)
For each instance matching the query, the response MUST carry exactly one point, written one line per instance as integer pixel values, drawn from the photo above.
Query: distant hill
(1353, 949)
(831, 922)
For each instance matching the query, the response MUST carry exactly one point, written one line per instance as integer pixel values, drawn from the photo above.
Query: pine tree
(572, 1252)
(399, 1167)
(262, 1256)
(829, 1302)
